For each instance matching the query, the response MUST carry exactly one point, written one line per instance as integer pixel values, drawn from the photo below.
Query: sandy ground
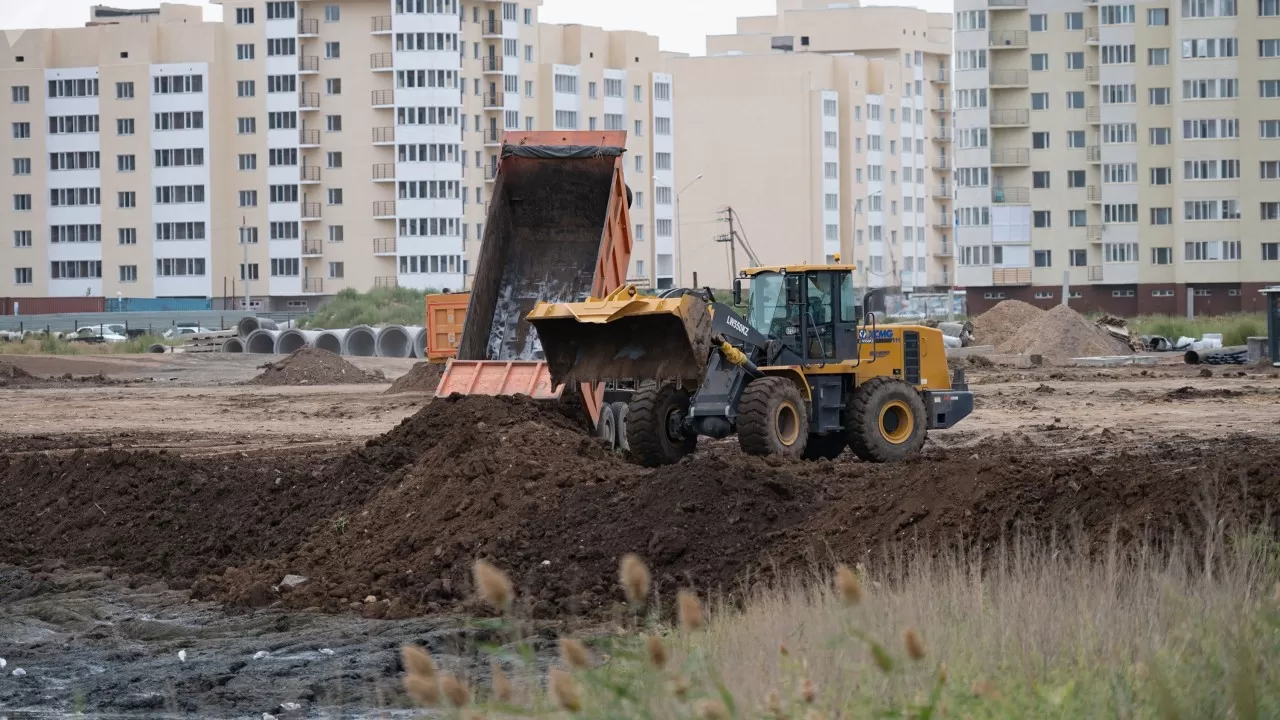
(106, 644)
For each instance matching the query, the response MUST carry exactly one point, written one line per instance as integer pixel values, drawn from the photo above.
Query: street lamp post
(679, 263)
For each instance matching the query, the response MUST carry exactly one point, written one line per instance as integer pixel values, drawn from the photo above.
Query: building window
(71, 269)
(1039, 23)
(1040, 140)
(566, 120)
(1074, 20)
(248, 198)
(22, 166)
(244, 51)
(332, 13)
(1040, 101)
(333, 123)
(1077, 258)
(245, 88)
(1044, 258)
(1040, 219)
(1157, 16)
(22, 276)
(247, 161)
(1161, 216)
(126, 163)
(1075, 61)
(335, 196)
(127, 199)
(1077, 218)
(332, 50)
(1271, 251)
(285, 267)
(124, 126)
(21, 131)
(1075, 99)
(244, 16)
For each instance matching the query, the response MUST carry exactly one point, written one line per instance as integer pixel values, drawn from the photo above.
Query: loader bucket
(624, 336)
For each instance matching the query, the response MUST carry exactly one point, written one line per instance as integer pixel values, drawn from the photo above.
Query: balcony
(386, 281)
(1093, 115)
(1010, 118)
(312, 286)
(381, 62)
(492, 137)
(943, 220)
(309, 174)
(945, 249)
(941, 190)
(941, 106)
(1009, 79)
(491, 65)
(1095, 273)
(380, 25)
(1010, 276)
(308, 101)
(384, 172)
(494, 100)
(309, 138)
(942, 136)
(1007, 39)
(1094, 194)
(942, 76)
(384, 136)
(1093, 233)
(384, 210)
(1091, 35)
(942, 164)
(308, 27)
(310, 212)
(491, 29)
(382, 98)
(1092, 74)
(1095, 153)
(312, 247)
(1011, 195)
(1010, 157)
(490, 173)
(308, 64)
(1006, 4)
(383, 247)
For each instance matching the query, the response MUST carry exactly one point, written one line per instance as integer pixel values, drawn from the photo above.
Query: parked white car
(181, 330)
(108, 333)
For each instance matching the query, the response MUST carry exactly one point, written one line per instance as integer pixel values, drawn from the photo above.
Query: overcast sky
(681, 24)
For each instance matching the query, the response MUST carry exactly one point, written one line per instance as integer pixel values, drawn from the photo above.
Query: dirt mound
(423, 377)
(1193, 393)
(13, 376)
(311, 366)
(997, 325)
(1061, 334)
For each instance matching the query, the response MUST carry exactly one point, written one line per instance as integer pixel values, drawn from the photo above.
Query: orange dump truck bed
(558, 230)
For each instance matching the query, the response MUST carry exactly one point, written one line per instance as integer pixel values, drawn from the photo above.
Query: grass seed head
(574, 654)
(417, 662)
(494, 585)
(773, 705)
(501, 683)
(848, 586)
(426, 690)
(808, 692)
(633, 574)
(656, 650)
(455, 690)
(712, 710)
(565, 690)
(985, 690)
(689, 611)
(680, 688)
(915, 646)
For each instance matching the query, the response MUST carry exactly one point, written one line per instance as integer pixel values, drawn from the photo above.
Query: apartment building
(826, 128)
(299, 147)
(1131, 149)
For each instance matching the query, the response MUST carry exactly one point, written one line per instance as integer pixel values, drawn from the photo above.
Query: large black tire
(773, 418)
(620, 413)
(887, 421)
(648, 435)
(607, 426)
(827, 447)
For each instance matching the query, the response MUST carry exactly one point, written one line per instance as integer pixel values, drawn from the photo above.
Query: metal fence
(152, 322)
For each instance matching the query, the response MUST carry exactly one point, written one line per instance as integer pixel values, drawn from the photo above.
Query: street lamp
(679, 264)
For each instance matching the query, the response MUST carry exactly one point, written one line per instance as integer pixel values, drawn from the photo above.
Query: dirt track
(129, 500)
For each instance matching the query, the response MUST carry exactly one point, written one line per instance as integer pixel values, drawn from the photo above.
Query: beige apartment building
(1133, 149)
(826, 128)
(300, 147)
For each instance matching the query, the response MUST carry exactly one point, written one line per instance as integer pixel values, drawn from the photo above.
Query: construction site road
(147, 519)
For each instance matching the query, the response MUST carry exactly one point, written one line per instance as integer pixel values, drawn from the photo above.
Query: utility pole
(244, 267)
(730, 238)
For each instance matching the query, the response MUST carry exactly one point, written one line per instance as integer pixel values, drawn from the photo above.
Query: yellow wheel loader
(805, 374)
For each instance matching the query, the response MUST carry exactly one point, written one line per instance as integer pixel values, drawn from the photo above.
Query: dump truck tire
(648, 435)
(827, 447)
(887, 421)
(773, 418)
(620, 413)
(607, 427)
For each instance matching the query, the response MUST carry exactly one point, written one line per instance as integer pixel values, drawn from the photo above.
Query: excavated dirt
(12, 376)
(423, 377)
(997, 325)
(1063, 333)
(311, 366)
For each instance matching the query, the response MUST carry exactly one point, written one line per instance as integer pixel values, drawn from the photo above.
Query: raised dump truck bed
(558, 230)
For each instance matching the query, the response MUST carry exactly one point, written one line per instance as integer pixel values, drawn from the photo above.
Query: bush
(382, 306)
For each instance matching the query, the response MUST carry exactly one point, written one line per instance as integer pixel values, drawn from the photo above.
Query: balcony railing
(490, 173)
(1006, 4)
(1094, 193)
(384, 135)
(1011, 276)
(941, 105)
(308, 137)
(384, 209)
(380, 61)
(1011, 156)
(942, 76)
(1095, 273)
(384, 246)
(308, 64)
(1095, 153)
(384, 171)
(943, 135)
(1093, 115)
(491, 64)
(942, 190)
(308, 101)
(312, 286)
(945, 249)
(490, 28)
(312, 247)
(494, 99)
(1093, 233)
(1091, 34)
(1009, 78)
(309, 173)
(308, 26)
(941, 163)
(943, 220)
(1011, 117)
(382, 98)
(1092, 74)
(492, 136)
(310, 211)
(380, 24)
(1007, 38)
(1011, 195)
(385, 281)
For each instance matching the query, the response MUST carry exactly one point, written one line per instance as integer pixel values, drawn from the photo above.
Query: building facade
(298, 147)
(825, 127)
(1128, 149)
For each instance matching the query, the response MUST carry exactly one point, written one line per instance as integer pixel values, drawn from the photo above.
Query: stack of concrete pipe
(264, 336)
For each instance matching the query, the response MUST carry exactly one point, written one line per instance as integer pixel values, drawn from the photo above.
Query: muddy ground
(146, 519)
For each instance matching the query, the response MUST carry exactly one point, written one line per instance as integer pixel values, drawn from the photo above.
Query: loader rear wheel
(654, 425)
(887, 421)
(620, 413)
(773, 418)
(607, 427)
(825, 446)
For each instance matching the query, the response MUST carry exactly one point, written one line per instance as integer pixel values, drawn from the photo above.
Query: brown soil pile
(997, 325)
(423, 377)
(1061, 334)
(12, 376)
(311, 366)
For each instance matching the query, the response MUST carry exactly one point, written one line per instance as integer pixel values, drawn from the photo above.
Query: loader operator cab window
(769, 311)
(820, 323)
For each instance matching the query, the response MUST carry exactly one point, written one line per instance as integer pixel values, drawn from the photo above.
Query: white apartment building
(1131, 148)
(300, 147)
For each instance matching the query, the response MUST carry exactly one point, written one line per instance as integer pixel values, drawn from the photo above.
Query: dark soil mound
(423, 377)
(13, 376)
(310, 366)
(1193, 393)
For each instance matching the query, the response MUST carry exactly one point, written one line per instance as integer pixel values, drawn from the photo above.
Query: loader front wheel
(772, 418)
(887, 421)
(654, 425)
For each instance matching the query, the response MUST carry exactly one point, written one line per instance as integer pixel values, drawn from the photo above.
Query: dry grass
(50, 345)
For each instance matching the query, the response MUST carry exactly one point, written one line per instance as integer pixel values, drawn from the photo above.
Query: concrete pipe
(294, 340)
(249, 323)
(158, 348)
(396, 341)
(420, 344)
(233, 345)
(361, 341)
(261, 342)
(332, 340)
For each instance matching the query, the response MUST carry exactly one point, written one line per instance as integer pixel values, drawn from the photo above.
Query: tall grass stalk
(396, 306)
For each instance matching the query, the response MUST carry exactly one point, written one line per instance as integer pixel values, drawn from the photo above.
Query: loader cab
(812, 311)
